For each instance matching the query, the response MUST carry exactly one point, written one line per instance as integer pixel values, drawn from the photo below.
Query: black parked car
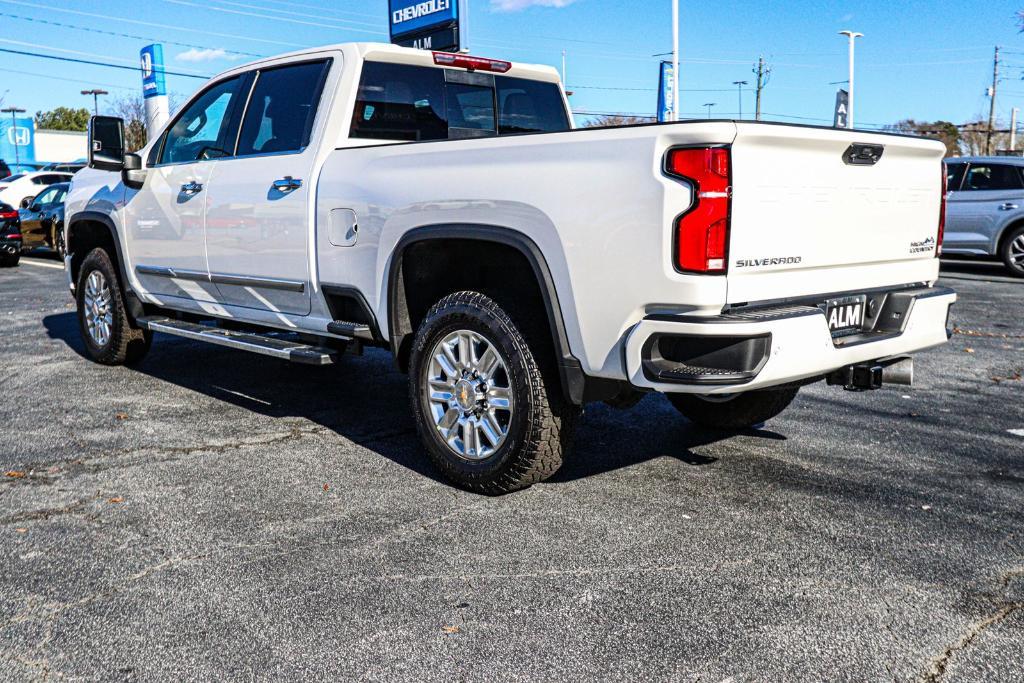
(42, 219)
(5, 170)
(10, 236)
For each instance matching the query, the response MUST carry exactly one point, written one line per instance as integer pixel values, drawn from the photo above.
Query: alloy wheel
(99, 317)
(469, 394)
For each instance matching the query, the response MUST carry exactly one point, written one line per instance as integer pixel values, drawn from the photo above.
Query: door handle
(192, 187)
(287, 184)
(1008, 206)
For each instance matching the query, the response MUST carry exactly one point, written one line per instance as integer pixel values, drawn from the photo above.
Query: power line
(137, 22)
(316, 24)
(294, 14)
(70, 80)
(84, 54)
(94, 63)
(319, 8)
(50, 22)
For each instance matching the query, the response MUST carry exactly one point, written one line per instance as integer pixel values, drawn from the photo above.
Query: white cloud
(208, 55)
(519, 5)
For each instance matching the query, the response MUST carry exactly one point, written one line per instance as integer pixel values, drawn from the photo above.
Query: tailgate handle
(860, 154)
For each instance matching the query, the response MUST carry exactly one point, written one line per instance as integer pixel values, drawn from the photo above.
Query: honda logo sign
(19, 135)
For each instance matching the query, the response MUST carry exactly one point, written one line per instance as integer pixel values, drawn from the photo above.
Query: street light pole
(14, 111)
(709, 105)
(675, 60)
(95, 92)
(852, 36)
(739, 85)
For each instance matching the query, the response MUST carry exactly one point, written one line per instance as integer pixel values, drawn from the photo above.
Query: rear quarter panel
(594, 201)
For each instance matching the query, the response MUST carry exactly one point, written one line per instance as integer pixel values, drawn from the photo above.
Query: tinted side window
(526, 106)
(47, 196)
(400, 102)
(201, 131)
(993, 177)
(280, 114)
(954, 175)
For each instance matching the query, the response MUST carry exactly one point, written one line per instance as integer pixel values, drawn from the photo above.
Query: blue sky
(926, 60)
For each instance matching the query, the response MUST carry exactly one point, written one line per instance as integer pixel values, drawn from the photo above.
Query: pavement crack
(1004, 608)
(47, 513)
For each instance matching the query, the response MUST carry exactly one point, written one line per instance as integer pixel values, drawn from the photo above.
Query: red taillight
(942, 213)
(14, 236)
(471, 63)
(702, 233)
(7, 215)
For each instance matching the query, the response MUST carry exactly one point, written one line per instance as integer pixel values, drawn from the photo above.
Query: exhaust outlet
(9, 249)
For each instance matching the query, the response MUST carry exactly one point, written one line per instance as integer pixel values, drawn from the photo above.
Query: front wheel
(109, 335)
(738, 412)
(1012, 252)
(491, 420)
(57, 241)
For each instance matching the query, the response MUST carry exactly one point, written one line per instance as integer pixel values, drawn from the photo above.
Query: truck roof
(385, 52)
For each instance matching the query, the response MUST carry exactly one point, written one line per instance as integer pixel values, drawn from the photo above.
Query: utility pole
(1013, 129)
(95, 92)
(739, 86)
(992, 105)
(852, 35)
(675, 60)
(762, 72)
(14, 111)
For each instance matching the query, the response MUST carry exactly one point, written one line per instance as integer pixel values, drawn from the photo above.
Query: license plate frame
(845, 315)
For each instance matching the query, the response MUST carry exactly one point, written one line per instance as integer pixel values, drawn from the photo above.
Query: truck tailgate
(806, 221)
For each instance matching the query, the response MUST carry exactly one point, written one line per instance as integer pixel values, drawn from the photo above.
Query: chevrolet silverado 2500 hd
(442, 206)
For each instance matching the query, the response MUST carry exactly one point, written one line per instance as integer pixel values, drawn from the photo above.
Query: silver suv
(985, 209)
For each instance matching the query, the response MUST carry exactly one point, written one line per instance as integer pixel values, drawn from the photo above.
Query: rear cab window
(415, 103)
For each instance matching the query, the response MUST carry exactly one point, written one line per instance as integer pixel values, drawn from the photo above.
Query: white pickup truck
(442, 206)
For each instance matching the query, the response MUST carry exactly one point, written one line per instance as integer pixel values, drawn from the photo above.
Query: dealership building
(22, 143)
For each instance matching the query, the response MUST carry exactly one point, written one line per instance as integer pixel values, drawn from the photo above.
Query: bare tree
(132, 108)
(943, 131)
(973, 136)
(609, 120)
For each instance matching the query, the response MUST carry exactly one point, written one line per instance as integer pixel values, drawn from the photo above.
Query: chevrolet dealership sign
(426, 24)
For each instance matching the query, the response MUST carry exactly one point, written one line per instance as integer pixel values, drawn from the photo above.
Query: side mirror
(132, 172)
(35, 208)
(106, 143)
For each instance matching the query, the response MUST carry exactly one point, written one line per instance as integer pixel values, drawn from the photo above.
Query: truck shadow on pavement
(365, 400)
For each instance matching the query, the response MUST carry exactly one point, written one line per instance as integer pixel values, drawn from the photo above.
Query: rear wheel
(1012, 251)
(738, 412)
(109, 335)
(9, 260)
(491, 420)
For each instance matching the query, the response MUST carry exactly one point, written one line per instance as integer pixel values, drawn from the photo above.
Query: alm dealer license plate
(846, 315)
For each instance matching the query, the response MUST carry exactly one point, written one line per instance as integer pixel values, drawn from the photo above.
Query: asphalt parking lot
(215, 515)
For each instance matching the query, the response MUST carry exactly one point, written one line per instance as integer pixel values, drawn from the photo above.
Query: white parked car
(442, 207)
(15, 189)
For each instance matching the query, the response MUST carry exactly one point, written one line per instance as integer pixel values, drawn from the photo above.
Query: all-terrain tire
(1011, 250)
(541, 426)
(125, 344)
(742, 412)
